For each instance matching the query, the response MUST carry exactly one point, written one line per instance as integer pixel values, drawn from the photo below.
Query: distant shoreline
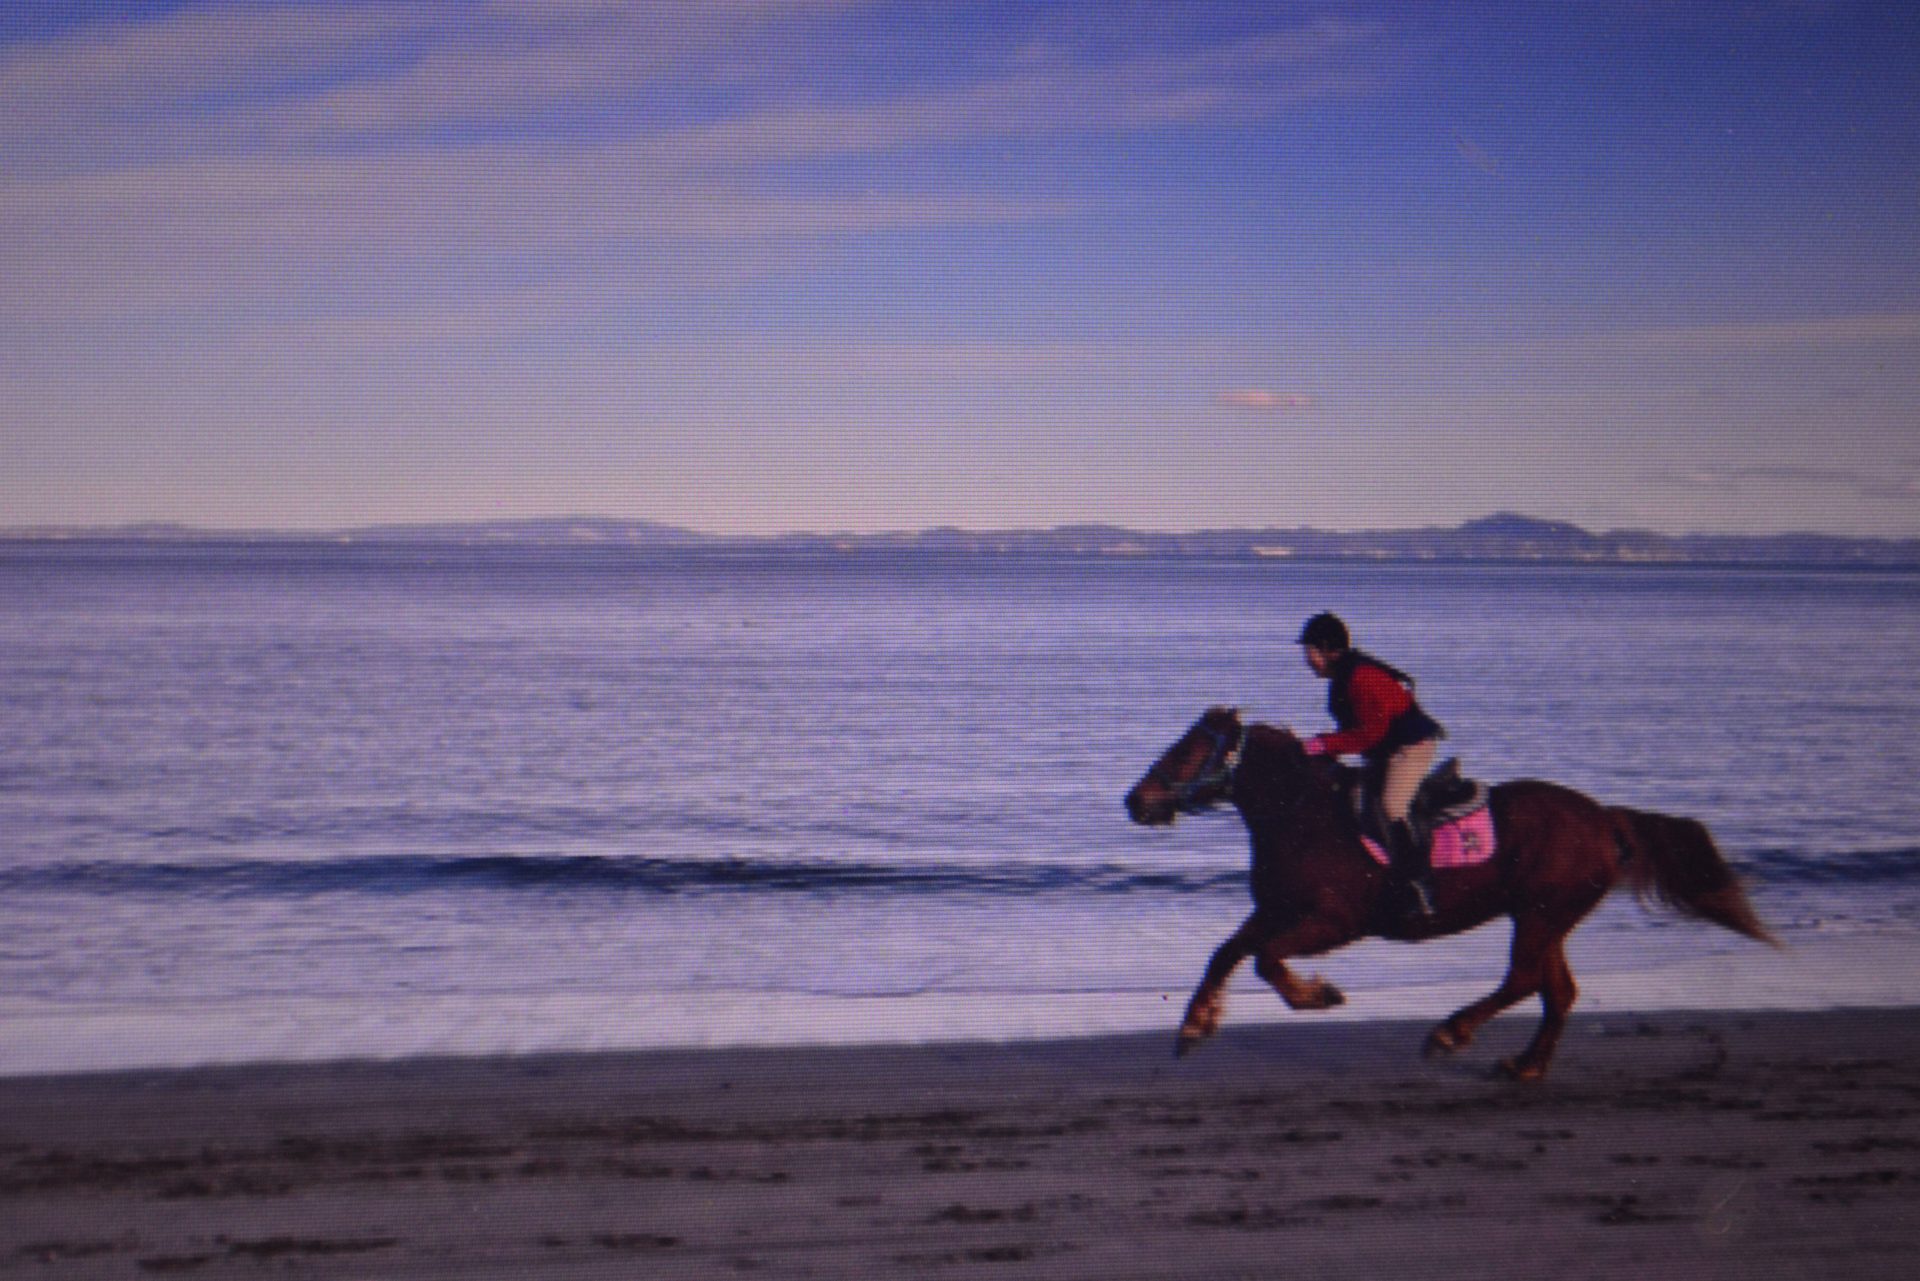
(878, 556)
(1494, 540)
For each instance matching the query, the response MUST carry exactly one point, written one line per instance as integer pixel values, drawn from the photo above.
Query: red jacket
(1377, 699)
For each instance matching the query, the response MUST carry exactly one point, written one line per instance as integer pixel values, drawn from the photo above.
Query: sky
(769, 265)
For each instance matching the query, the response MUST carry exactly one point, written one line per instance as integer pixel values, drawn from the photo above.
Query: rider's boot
(1410, 867)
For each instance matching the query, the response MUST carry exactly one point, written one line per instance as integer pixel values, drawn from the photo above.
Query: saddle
(1444, 796)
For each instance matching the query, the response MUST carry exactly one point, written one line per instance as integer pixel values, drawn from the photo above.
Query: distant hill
(1501, 537)
(540, 532)
(1504, 536)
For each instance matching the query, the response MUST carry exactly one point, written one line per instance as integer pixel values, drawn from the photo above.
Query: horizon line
(156, 529)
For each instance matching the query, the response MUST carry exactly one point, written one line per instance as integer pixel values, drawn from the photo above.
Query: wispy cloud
(1045, 93)
(249, 154)
(227, 76)
(125, 78)
(403, 71)
(1754, 337)
(1900, 480)
(1262, 400)
(237, 231)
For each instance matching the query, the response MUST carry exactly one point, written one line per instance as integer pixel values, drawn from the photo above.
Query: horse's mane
(1283, 740)
(1263, 730)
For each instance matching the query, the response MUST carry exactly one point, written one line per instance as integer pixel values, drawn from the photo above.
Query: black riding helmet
(1325, 631)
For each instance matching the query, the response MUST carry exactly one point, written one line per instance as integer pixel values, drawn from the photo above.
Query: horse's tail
(1675, 861)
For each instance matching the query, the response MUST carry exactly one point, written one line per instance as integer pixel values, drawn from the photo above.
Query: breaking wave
(563, 874)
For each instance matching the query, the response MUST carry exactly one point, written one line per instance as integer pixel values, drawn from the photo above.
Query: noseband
(1215, 772)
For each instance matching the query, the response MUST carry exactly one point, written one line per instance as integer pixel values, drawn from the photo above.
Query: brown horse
(1315, 888)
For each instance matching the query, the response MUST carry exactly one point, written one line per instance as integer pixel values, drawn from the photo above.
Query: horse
(1557, 853)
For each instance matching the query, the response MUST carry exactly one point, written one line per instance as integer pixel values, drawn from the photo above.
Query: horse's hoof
(1524, 1073)
(1440, 1041)
(1186, 1043)
(1331, 996)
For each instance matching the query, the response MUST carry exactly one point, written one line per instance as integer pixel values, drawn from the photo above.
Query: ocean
(308, 801)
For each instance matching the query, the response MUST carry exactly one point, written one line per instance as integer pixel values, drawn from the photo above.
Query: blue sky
(752, 265)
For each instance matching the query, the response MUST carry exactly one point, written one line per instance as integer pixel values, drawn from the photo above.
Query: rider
(1378, 718)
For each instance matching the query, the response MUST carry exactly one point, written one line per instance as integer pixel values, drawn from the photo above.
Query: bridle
(1215, 772)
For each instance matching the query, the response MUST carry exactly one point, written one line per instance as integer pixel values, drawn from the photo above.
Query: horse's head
(1196, 772)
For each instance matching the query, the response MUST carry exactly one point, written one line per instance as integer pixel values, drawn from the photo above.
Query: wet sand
(1674, 1145)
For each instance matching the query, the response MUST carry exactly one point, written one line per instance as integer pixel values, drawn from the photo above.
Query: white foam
(1818, 974)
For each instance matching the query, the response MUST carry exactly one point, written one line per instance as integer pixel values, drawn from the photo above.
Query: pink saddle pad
(1461, 843)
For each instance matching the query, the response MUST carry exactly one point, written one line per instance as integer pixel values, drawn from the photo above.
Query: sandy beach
(1697, 1145)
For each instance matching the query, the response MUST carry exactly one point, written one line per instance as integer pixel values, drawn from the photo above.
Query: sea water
(314, 800)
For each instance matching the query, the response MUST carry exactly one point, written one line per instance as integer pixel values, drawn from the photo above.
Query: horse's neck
(1278, 783)
(1303, 838)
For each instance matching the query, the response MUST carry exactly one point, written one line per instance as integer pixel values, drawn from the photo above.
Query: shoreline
(1812, 977)
(1499, 541)
(1719, 1143)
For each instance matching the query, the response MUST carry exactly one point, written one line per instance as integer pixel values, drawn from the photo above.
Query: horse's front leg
(1209, 1001)
(1315, 993)
(1306, 937)
(1273, 944)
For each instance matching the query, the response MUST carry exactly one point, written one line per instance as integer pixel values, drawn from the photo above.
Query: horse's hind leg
(1534, 942)
(1557, 994)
